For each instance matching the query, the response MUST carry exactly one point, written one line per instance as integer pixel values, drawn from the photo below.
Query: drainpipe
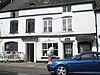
(96, 31)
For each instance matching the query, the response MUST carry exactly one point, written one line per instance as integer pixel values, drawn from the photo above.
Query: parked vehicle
(82, 63)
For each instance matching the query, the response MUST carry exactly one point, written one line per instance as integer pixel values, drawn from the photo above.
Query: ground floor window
(46, 46)
(84, 46)
(11, 46)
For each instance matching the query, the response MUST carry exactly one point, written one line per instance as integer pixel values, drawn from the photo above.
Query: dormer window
(67, 8)
(14, 14)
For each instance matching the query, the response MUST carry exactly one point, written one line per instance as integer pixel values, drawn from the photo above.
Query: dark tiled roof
(3, 3)
(97, 4)
(28, 4)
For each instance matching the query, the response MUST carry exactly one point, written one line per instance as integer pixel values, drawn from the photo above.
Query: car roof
(90, 52)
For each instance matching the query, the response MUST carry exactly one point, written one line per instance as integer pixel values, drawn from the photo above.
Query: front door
(67, 50)
(30, 52)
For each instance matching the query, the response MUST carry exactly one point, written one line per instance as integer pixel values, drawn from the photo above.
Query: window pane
(64, 24)
(69, 24)
(30, 25)
(56, 52)
(50, 29)
(55, 45)
(49, 45)
(68, 8)
(86, 56)
(64, 8)
(98, 56)
(14, 14)
(14, 26)
(44, 46)
(44, 53)
(45, 26)
(48, 25)
(11, 46)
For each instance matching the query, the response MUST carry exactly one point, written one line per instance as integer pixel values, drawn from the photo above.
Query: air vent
(12, 0)
(31, 3)
(46, 1)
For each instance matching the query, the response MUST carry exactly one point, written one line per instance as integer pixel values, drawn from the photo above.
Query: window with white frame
(11, 46)
(47, 24)
(67, 8)
(46, 46)
(67, 23)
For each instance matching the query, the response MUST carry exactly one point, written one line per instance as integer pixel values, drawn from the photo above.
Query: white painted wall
(40, 11)
(5, 14)
(81, 7)
(84, 22)
(98, 29)
(98, 22)
(20, 44)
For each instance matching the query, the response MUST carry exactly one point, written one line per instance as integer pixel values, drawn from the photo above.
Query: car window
(98, 56)
(87, 56)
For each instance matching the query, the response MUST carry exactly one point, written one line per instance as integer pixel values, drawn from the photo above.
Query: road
(10, 73)
(5, 70)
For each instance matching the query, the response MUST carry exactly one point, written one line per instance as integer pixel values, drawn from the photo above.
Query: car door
(97, 63)
(84, 64)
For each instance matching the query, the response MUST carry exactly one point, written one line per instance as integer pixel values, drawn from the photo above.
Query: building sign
(30, 39)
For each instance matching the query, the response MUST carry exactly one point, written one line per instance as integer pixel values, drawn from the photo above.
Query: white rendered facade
(82, 31)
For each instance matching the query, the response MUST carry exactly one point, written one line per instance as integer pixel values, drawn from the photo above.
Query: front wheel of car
(61, 70)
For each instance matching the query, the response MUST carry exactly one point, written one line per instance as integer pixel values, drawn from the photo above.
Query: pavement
(29, 65)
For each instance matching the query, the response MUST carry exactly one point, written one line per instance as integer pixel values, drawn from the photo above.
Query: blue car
(82, 63)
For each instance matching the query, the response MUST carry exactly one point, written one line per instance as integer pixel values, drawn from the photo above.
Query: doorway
(30, 52)
(68, 50)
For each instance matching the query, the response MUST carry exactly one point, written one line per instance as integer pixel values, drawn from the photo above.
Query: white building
(33, 26)
(97, 15)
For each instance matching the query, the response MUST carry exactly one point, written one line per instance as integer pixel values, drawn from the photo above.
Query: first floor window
(48, 25)
(46, 46)
(30, 25)
(67, 23)
(14, 26)
(11, 46)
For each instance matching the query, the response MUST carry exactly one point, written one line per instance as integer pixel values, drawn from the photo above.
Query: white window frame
(67, 24)
(48, 25)
(47, 48)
